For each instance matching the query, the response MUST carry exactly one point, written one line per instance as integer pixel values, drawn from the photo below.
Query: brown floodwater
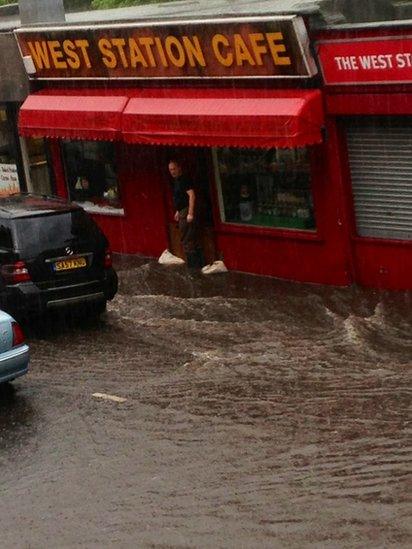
(259, 413)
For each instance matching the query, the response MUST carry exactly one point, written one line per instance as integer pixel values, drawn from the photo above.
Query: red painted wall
(284, 258)
(383, 264)
(332, 255)
(319, 257)
(143, 228)
(375, 262)
(304, 256)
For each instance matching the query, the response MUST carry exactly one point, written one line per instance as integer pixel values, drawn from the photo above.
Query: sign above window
(385, 60)
(263, 47)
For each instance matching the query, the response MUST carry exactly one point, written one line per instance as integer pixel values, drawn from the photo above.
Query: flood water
(259, 413)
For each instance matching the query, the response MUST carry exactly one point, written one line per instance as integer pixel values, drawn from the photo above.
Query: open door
(196, 165)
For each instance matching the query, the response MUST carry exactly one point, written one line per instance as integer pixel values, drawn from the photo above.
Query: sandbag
(167, 258)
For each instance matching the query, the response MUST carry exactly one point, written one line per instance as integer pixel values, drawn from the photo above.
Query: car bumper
(27, 299)
(14, 363)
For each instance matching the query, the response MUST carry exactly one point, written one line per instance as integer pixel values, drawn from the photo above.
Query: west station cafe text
(253, 49)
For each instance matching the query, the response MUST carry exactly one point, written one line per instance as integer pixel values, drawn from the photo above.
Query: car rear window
(38, 234)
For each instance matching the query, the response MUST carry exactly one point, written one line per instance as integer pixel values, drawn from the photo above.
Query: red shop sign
(366, 61)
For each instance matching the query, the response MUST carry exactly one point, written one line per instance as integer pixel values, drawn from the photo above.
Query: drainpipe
(41, 11)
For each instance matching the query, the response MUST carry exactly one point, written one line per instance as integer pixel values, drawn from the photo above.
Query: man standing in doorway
(184, 201)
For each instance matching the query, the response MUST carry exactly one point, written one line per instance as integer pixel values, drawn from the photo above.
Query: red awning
(72, 116)
(236, 118)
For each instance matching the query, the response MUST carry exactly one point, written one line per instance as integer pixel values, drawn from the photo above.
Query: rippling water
(260, 413)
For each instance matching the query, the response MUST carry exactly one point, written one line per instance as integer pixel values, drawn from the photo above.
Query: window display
(91, 175)
(266, 188)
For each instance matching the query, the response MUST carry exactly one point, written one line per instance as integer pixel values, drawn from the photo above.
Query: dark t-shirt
(180, 197)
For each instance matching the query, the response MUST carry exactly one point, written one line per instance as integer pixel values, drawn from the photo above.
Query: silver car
(14, 353)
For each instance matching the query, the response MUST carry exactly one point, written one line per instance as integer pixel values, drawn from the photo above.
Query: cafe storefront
(237, 101)
(368, 92)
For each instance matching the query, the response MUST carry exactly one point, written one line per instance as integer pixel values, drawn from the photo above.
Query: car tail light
(15, 273)
(108, 262)
(18, 336)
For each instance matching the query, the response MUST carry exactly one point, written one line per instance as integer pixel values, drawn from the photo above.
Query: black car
(52, 256)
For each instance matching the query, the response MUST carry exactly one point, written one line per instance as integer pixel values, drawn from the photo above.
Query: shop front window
(91, 175)
(265, 187)
(9, 177)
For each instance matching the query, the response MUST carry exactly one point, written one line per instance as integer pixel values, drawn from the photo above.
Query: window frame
(232, 227)
(97, 210)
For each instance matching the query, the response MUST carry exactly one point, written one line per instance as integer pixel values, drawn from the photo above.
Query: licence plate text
(69, 264)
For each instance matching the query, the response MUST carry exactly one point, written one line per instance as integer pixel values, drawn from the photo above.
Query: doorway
(196, 165)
